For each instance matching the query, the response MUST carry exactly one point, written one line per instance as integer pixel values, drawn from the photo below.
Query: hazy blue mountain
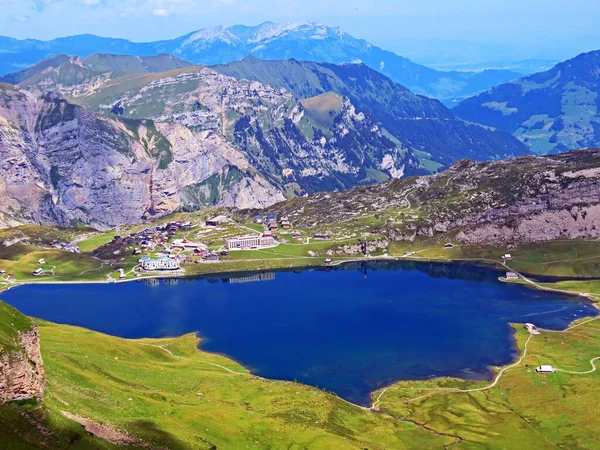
(550, 111)
(302, 40)
(79, 69)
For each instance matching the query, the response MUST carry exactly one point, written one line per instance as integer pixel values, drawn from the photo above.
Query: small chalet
(322, 237)
(545, 369)
(38, 272)
(449, 245)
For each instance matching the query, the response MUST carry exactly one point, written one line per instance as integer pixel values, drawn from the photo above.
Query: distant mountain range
(308, 41)
(550, 111)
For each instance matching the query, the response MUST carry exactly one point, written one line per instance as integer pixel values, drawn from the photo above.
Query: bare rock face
(63, 165)
(22, 374)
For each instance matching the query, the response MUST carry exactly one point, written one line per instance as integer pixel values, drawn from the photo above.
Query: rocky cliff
(526, 199)
(22, 374)
(62, 165)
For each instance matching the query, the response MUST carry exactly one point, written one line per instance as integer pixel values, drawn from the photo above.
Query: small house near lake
(531, 328)
(511, 276)
(38, 272)
(41, 261)
(545, 369)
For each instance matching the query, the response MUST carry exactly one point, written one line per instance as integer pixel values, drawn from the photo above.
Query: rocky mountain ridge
(419, 122)
(267, 123)
(526, 199)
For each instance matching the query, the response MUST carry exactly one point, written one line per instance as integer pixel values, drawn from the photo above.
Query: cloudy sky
(531, 28)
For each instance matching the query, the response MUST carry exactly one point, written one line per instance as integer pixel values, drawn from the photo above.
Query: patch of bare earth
(103, 432)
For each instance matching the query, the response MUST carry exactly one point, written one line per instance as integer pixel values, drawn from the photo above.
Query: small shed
(215, 221)
(545, 369)
(512, 276)
(449, 245)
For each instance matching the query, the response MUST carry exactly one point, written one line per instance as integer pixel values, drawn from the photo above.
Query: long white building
(159, 264)
(246, 242)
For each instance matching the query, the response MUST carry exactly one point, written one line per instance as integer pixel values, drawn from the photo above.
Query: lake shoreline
(493, 370)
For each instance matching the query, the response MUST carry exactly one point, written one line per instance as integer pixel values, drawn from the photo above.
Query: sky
(421, 29)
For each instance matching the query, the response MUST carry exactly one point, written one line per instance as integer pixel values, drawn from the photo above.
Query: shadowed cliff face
(22, 374)
(63, 165)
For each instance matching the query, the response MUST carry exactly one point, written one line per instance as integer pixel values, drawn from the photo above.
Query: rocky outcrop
(22, 374)
(527, 199)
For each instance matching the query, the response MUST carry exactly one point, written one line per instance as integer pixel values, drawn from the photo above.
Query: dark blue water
(349, 330)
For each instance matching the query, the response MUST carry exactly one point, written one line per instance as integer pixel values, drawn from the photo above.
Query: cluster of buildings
(154, 237)
(271, 223)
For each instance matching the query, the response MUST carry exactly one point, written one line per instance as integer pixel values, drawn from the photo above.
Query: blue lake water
(350, 330)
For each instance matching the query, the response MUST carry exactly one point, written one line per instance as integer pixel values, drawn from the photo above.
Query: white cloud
(161, 12)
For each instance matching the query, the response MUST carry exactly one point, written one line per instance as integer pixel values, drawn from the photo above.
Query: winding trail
(457, 390)
(161, 347)
(592, 370)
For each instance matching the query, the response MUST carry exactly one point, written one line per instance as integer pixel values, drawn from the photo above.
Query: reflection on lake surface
(350, 329)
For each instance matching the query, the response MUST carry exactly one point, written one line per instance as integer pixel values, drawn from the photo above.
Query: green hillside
(550, 111)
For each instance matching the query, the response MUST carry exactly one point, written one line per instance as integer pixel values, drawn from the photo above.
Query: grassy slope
(525, 409)
(154, 396)
(11, 324)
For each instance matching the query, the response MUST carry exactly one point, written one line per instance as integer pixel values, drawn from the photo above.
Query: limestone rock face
(22, 374)
(62, 165)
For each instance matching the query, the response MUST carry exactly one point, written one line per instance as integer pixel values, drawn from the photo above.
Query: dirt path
(592, 370)
(457, 390)
(161, 347)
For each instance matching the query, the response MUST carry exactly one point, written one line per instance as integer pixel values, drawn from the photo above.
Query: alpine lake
(350, 329)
